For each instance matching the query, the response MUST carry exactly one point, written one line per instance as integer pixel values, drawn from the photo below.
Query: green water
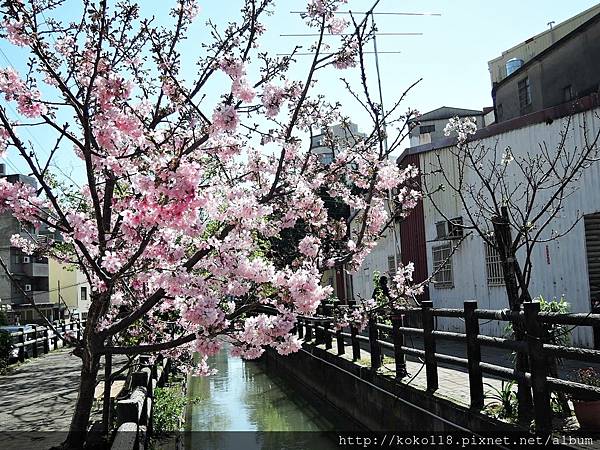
(244, 406)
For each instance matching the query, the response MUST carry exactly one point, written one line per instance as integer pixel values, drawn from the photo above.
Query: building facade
(526, 51)
(429, 127)
(69, 288)
(567, 267)
(563, 72)
(28, 283)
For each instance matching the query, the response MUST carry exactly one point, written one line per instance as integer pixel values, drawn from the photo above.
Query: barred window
(524, 93)
(493, 266)
(442, 266)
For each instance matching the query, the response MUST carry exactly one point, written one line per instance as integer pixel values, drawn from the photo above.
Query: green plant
(589, 376)
(504, 404)
(169, 404)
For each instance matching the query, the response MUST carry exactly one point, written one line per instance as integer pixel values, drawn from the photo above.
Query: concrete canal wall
(376, 402)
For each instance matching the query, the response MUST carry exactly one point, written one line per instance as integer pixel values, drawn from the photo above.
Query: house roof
(446, 112)
(547, 115)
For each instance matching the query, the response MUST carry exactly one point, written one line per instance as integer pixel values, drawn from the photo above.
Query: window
(568, 93)
(524, 93)
(392, 266)
(493, 266)
(455, 228)
(442, 266)
(500, 111)
(326, 158)
(426, 129)
(84, 294)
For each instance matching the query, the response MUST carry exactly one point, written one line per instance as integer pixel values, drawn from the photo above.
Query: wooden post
(429, 344)
(328, 337)
(106, 396)
(398, 339)
(34, 350)
(537, 362)
(46, 340)
(473, 355)
(55, 335)
(373, 344)
(22, 347)
(355, 343)
(308, 331)
(319, 333)
(340, 342)
(300, 329)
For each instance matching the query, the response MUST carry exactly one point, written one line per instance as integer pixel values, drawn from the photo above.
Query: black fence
(320, 330)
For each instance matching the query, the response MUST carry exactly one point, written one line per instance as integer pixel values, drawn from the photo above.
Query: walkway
(37, 399)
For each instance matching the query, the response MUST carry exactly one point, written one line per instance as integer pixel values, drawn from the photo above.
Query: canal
(244, 406)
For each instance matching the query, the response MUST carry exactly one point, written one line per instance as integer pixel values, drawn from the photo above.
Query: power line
(40, 146)
(328, 54)
(349, 34)
(378, 13)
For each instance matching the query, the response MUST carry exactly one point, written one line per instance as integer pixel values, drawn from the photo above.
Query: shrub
(169, 404)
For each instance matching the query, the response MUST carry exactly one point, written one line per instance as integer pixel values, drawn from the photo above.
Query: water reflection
(244, 398)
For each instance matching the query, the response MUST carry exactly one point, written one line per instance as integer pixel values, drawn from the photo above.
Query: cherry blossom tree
(181, 192)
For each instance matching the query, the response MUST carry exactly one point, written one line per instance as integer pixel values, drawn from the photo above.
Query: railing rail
(28, 340)
(536, 379)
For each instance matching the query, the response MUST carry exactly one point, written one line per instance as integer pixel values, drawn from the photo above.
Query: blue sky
(451, 56)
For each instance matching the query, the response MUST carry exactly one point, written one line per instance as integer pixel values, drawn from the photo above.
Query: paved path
(37, 399)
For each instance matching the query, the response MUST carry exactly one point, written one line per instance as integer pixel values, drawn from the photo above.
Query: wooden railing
(134, 413)
(533, 345)
(29, 340)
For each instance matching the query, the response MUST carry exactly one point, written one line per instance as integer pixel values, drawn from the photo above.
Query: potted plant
(588, 411)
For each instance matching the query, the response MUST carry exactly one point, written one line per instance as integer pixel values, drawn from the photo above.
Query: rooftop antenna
(376, 53)
(551, 24)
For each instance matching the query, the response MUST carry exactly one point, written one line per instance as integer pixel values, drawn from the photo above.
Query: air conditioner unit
(27, 288)
(26, 259)
(440, 230)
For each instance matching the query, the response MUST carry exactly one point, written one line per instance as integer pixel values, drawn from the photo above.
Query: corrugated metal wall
(412, 235)
(560, 267)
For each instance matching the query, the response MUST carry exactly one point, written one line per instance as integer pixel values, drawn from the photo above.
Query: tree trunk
(502, 235)
(85, 399)
(91, 346)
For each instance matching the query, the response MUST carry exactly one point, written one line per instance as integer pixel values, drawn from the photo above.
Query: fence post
(46, 340)
(308, 331)
(300, 329)
(34, 350)
(106, 396)
(79, 328)
(398, 339)
(340, 342)
(328, 337)
(429, 345)
(355, 343)
(55, 335)
(473, 355)
(22, 347)
(537, 362)
(373, 344)
(319, 333)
